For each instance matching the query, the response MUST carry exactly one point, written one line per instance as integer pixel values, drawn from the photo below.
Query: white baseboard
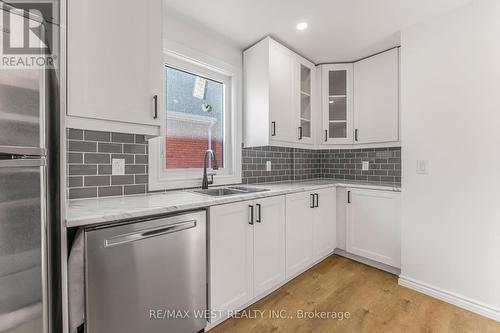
(452, 298)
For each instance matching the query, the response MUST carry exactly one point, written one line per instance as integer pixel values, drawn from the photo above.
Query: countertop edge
(215, 201)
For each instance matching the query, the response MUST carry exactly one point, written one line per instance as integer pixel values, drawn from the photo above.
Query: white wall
(451, 117)
(181, 32)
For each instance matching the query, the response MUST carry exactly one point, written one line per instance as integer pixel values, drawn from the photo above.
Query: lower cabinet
(269, 243)
(246, 252)
(310, 228)
(373, 225)
(299, 232)
(324, 224)
(256, 245)
(231, 256)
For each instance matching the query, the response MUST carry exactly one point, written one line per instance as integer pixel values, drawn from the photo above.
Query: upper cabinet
(337, 84)
(376, 98)
(360, 101)
(279, 96)
(115, 70)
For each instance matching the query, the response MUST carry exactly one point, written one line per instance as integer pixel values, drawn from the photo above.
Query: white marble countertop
(85, 212)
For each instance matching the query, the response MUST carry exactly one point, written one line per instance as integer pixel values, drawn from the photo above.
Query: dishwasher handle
(148, 233)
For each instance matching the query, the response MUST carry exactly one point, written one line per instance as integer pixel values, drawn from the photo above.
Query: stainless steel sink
(231, 190)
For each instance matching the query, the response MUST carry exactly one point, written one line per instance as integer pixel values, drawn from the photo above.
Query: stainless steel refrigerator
(26, 109)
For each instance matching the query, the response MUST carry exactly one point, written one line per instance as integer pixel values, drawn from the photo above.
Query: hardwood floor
(373, 298)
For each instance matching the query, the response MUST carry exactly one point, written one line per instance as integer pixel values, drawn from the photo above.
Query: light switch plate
(365, 166)
(118, 166)
(268, 166)
(422, 167)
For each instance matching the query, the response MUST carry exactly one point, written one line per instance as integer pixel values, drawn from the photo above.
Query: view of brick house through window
(195, 119)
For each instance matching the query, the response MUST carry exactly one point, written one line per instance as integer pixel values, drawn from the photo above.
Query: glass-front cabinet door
(306, 79)
(337, 88)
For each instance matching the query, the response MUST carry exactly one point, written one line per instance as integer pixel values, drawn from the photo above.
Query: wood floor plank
(373, 298)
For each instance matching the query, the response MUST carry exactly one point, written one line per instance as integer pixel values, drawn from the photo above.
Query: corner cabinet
(337, 103)
(373, 225)
(376, 98)
(279, 96)
(115, 70)
(360, 101)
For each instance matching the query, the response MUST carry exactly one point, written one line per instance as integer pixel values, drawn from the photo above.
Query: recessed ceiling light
(302, 26)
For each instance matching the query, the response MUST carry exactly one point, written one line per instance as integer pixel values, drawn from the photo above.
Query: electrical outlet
(118, 166)
(365, 165)
(268, 166)
(422, 167)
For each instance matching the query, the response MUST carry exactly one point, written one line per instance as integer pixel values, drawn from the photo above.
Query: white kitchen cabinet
(230, 256)
(324, 226)
(279, 96)
(304, 91)
(310, 228)
(373, 225)
(337, 103)
(282, 119)
(115, 69)
(376, 98)
(246, 251)
(299, 232)
(269, 243)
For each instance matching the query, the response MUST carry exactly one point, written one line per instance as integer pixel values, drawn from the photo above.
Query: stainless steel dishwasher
(147, 276)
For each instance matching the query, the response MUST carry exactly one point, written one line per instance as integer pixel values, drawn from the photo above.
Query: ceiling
(338, 30)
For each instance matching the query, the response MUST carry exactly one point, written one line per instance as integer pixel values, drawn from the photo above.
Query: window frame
(161, 178)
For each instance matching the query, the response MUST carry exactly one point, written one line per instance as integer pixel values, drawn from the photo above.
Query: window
(195, 119)
(202, 111)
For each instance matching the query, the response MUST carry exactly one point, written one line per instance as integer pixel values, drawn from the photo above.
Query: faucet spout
(205, 182)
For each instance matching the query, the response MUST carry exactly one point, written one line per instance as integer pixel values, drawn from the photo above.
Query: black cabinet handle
(356, 134)
(251, 214)
(300, 132)
(273, 133)
(155, 100)
(312, 200)
(259, 213)
(326, 135)
(317, 200)
(348, 196)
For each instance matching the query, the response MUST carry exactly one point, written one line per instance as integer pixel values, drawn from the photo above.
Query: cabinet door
(231, 256)
(337, 104)
(282, 114)
(373, 227)
(305, 93)
(324, 233)
(115, 65)
(299, 232)
(376, 98)
(269, 243)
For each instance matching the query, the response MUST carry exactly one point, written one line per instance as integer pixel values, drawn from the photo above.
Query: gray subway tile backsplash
(97, 158)
(104, 147)
(90, 154)
(97, 136)
(75, 134)
(384, 164)
(303, 164)
(134, 189)
(107, 191)
(82, 192)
